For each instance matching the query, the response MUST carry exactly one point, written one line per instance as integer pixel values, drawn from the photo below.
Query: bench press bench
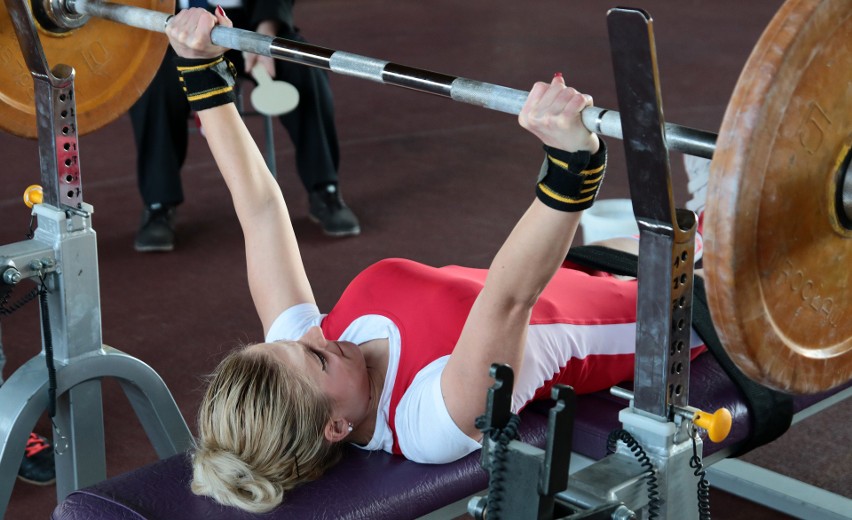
(380, 486)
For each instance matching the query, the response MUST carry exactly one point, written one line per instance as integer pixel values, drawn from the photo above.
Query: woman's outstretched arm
(495, 330)
(276, 274)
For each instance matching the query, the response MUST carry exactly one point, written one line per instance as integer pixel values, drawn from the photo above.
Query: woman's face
(338, 368)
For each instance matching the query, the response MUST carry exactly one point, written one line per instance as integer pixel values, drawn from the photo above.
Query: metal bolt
(476, 507)
(622, 513)
(12, 276)
(36, 265)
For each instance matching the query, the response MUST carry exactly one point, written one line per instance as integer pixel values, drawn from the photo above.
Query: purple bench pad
(379, 486)
(372, 485)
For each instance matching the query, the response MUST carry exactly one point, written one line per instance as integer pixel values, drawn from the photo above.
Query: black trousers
(160, 119)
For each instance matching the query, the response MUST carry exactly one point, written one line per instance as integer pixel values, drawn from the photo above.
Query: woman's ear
(336, 429)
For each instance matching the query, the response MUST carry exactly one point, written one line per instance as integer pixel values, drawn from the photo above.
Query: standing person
(159, 119)
(401, 362)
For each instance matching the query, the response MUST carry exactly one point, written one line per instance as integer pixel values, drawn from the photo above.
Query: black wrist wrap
(569, 181)
(207, 83)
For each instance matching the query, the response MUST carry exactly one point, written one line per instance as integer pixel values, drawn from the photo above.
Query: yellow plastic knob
(33, 195)
(718, 425)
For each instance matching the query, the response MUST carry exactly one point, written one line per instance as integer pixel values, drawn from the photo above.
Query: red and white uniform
(582, 333)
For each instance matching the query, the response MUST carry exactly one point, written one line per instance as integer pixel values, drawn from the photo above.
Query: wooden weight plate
(778, 256)
(114, 64)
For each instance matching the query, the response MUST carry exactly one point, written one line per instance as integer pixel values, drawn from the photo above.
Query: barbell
(778, 226)
(74, 14)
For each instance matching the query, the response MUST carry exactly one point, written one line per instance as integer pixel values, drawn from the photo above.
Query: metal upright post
(665, 271)
(664, 482)
(666, 235)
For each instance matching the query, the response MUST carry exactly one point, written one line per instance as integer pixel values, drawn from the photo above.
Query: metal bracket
(56, 114)
(666, 235)
(537, 475)
(499, 401)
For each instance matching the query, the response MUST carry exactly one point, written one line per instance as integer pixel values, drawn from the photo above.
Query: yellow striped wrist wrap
(207, 83)
(569, 181)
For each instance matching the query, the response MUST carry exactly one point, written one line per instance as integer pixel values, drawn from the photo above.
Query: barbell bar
(487, 95)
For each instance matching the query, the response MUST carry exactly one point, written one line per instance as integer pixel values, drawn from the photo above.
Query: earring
(350, 427)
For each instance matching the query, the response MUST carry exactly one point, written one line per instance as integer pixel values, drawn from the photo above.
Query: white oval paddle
(272, 98)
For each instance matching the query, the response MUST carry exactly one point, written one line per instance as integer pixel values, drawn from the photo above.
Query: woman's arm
(276, 274)
(495, 330)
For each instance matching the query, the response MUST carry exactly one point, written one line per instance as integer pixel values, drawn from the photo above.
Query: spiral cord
(650, 472)
(496, 482)
(48, 349)
(6, 309)
(703, 486)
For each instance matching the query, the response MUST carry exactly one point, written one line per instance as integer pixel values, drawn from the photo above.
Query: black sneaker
(331, 213)
(38, 467)
(157, 231)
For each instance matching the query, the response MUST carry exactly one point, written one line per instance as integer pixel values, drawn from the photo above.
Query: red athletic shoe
(38, 466)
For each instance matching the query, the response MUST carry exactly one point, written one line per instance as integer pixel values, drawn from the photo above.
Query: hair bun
(227, 479)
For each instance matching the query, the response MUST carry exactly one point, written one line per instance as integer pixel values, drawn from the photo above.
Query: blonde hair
(261, 432)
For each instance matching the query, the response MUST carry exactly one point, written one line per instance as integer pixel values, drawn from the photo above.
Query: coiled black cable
(650, 472)
(6, 309)
(703, 486)
(48, 350)
(496, 480)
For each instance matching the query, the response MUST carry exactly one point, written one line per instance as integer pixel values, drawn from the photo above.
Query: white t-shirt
(424, 428)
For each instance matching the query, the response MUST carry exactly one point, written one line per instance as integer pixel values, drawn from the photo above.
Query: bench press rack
(62, 254)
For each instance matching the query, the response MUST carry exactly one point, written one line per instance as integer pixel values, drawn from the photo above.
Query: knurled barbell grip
(494, 97)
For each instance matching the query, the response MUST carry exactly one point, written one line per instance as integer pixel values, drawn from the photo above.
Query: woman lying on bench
(401, 362)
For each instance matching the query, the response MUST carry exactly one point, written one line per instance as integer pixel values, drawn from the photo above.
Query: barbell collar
(487, 95)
